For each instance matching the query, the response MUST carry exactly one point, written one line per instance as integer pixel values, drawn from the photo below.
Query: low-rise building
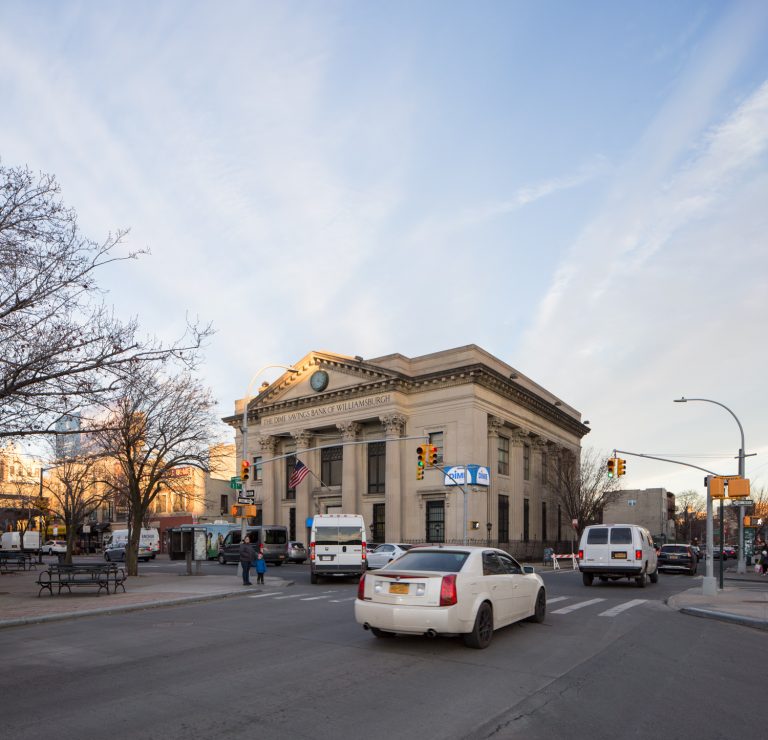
(652, 508)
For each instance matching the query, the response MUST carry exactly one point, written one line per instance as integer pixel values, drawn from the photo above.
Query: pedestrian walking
(246, 558)
(764, 562)
(261, 568)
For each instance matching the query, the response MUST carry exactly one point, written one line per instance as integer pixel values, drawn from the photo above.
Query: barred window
(503, 467)
(331, 461)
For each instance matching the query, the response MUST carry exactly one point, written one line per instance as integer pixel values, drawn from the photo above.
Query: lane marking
(292, 596)
(557, 598)
(340, 601)
(622, 607)
(315, 598)
(261, 596)
(574, 607)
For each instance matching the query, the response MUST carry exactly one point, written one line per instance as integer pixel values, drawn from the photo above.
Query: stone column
(495, 425)
(270, 491)
(538, 494)
(394, 427)
(518, 438)
(303, 491)
(351, 501)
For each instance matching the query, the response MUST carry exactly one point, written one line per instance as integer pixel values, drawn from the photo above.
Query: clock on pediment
(319, 380)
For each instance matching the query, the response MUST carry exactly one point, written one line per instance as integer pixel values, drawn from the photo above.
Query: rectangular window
(331, 465)
(290, 493)
(503, 468)
(436, 439)
(544, 466)
(257, 471)
(598, 536)
(503, 518)
(292, 523)
(543, 520)
(435, 521)
(224, 504)
(377, 531)
(526, 520)
(376, 467)
(526, 462)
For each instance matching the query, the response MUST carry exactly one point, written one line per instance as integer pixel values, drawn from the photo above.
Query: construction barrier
(572, 557)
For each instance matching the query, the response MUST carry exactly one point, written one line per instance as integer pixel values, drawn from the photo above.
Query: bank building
(355, 425)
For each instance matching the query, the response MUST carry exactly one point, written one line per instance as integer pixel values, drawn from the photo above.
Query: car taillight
(365, 551)
(361, 588)
(638, 554)
(581, 554)
(447, 591)
(311, 550)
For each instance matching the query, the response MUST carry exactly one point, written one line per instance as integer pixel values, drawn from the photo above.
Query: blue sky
(578, 187)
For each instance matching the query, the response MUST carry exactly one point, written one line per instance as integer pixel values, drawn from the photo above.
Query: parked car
(115, 552)
(727, 550)
(676, 557)
(297, 553)
(449, 590)
(54, 547)
(386, 553)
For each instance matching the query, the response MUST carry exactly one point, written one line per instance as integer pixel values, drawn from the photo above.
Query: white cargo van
(613, 551)
(149, 541)
(337, 546)
(12, 541)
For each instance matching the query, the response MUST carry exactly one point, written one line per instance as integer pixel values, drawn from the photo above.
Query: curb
(760, 624)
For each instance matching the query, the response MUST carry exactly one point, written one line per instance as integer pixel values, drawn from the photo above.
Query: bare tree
(76, 492)
(582, 485)
(160, 423)
(60, 344)
(690, 507)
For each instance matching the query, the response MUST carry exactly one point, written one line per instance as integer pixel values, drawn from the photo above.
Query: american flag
(300, 472)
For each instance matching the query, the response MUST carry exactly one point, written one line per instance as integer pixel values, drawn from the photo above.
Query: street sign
(244, 500)
(235, 483)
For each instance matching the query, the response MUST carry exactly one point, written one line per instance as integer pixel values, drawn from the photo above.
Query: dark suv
(678, 558)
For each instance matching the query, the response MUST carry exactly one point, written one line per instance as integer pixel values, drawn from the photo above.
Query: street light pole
(244, 428)
(741, 565)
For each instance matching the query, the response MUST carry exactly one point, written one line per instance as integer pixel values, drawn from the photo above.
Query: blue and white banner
(473, 475)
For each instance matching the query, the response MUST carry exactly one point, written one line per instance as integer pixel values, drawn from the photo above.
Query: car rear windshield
(338, 536)
(598, 536)
(275, 536)
(621, 536)
(675, 548)
(443, 562)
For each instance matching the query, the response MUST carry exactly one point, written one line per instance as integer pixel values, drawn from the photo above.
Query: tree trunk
(132, 552)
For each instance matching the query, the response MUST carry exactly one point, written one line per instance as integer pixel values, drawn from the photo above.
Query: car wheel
(313, 577)
(654, 576)
(540, 609)
(482, 633)
(278, 563)
(106, 557)
(222, 560)
(640, 580)
(587, 578)
(376, 632)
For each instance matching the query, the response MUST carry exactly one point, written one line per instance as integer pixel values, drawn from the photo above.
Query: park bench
(95, 575)
(15, 559)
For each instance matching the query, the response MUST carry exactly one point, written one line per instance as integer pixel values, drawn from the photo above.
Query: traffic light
(611, 467)
(432, 456)
(621, 467)
(421, 461)
(244, 469)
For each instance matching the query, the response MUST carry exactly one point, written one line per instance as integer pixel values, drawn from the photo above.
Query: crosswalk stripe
(556, 598)
(574, 607)
(261, 596)
(291, 596)
(622, 607)
(315, 598)
(341, 601)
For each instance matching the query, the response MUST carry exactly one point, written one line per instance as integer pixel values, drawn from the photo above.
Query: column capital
(268, 443)
(394, 424)
(519, 437)
(349, 430)
(495, 424)
(302, 437)
(540, 444)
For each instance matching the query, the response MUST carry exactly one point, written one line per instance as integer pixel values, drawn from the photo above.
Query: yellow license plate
(619, 555)
(398, 588)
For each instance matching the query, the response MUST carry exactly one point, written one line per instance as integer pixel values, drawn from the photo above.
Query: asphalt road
(610, 661)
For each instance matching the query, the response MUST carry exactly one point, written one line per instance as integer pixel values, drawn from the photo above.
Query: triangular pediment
(321, 375)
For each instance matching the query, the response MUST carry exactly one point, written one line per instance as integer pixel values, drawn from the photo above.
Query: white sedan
(449, 590)
(385, 553)
(54, 547)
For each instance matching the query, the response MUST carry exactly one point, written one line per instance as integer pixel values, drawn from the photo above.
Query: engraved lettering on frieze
(331, 409)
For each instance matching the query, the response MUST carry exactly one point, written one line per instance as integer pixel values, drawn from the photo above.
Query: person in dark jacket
(246, 558)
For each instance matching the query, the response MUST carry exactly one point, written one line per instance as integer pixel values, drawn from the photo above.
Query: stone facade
(356, 424)
(652, 508)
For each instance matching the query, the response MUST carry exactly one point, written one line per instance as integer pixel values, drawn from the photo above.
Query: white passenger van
(337, 546)
(613, 551)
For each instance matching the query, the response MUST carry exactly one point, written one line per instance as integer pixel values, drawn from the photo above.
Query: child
(261, 568)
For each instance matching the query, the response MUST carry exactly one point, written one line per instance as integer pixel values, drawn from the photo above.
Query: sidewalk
(20, 604)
